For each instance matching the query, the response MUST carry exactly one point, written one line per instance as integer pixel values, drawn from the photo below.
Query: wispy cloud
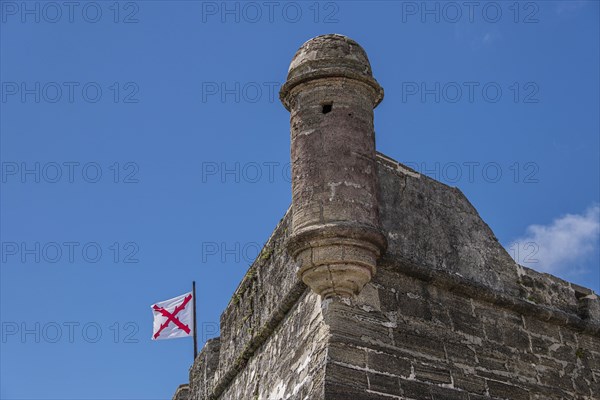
(476, 37)
(485, 39)
(561, 246)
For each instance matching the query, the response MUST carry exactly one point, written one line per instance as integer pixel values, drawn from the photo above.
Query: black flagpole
(194, 315)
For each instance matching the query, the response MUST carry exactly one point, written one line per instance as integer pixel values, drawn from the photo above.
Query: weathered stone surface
(182, 392)
(290, 364)
(202, 373)
(447, 315)
(331, 93)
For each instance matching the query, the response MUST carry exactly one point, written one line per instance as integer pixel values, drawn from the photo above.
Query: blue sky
(143, 146)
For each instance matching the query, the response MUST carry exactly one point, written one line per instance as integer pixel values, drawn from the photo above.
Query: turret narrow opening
(327, 108)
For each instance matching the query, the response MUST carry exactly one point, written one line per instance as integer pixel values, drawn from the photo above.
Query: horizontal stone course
(506, 391)
(388, 364)
(432, 373)
(384, 384)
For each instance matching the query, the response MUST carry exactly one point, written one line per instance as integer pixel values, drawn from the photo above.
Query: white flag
(174, 318)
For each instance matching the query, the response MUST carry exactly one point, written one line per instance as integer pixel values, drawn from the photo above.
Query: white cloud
(561, 246)
(474, 36)
(485, 39)
(490, 37)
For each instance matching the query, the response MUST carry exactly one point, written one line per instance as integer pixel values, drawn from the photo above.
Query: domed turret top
(330, 51)
(329, 56)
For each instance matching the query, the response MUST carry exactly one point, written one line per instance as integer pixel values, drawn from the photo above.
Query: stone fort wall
(380, 283)
(449, 315)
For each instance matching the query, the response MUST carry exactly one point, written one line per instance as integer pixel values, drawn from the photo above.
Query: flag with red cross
(173, 318)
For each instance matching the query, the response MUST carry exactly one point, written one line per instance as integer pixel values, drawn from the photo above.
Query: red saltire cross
(171, 317)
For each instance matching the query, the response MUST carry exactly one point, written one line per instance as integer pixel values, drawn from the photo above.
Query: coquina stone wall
(448, 315)
(411, 295)
(407, 338)
(273, 337)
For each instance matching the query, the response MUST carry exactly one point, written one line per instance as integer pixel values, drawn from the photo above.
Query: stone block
(507, 391)
(432, 373)
(389, 364)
